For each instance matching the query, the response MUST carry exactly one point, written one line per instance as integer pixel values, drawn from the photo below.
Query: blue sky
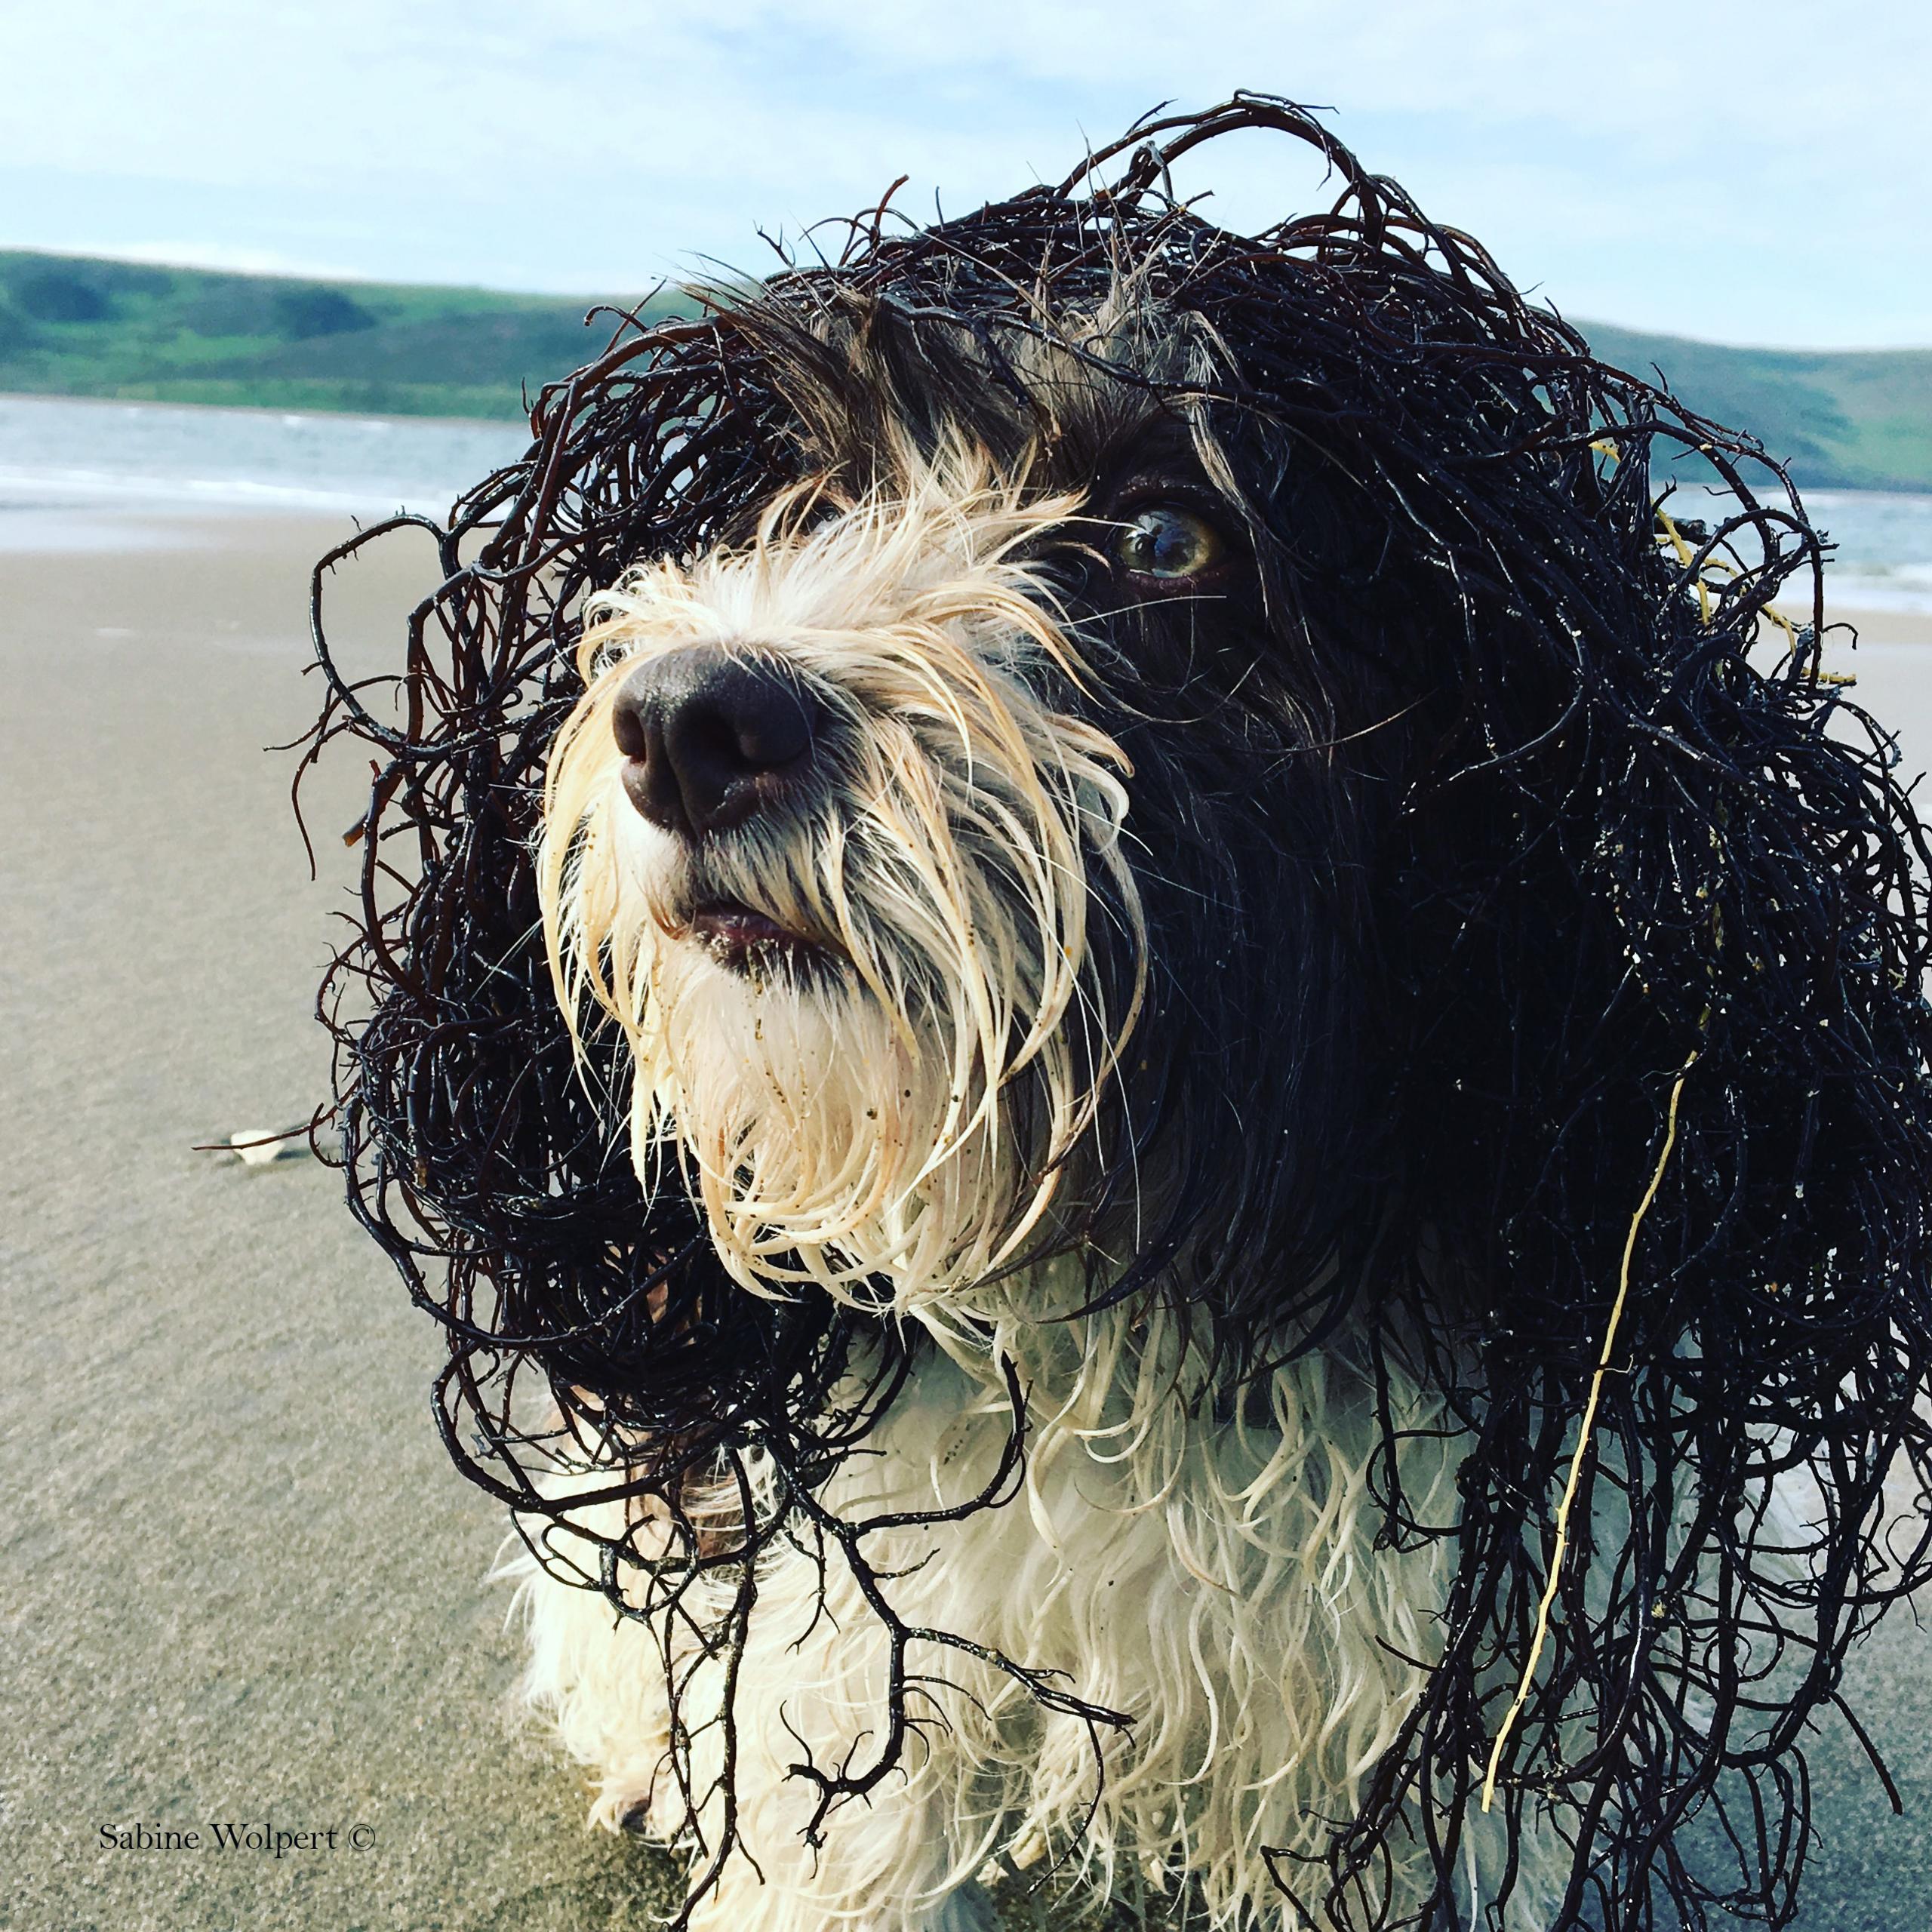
(1746, 173)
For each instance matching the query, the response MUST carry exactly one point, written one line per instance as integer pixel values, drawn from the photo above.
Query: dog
(1294, 1074)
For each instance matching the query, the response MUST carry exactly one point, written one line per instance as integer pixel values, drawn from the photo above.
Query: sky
(1749, 173)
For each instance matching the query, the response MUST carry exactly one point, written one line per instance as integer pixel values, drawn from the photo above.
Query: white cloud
(237, 259)
(1741, 169)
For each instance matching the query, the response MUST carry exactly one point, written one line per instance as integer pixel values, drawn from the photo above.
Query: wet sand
(242, 1583)
(1888, 628)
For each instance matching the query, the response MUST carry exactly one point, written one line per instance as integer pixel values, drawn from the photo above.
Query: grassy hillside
(70, 326)
(1858, 420)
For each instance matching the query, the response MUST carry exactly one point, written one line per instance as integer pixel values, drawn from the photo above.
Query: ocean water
(80, 475)
(84, 475)
(1883, 560)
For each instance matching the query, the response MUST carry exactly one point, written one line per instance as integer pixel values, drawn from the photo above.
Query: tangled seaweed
(1741, 946)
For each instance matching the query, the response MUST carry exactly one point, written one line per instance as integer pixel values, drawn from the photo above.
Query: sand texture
(239, 1581)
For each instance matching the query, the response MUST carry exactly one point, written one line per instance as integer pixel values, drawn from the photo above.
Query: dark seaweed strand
(1761, 873)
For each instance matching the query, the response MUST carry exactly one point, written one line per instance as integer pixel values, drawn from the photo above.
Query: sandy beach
(242, 1583)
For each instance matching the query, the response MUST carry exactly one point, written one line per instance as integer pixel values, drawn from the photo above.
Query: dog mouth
(744, 939)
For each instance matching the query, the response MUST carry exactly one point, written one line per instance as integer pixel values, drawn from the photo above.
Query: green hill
(72, 326)
(1845, 419)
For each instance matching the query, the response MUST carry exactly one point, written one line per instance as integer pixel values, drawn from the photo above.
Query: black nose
(709, 740)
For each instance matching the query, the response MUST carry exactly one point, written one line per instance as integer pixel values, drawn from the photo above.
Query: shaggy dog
(1272, 1072)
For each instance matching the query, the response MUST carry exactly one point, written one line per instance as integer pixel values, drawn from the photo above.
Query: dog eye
(1167, 543)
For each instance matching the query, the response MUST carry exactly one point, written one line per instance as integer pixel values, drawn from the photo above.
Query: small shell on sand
(262, 1146)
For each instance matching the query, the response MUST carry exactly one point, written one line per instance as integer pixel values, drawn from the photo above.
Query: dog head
(879, 820)
(1076, 802)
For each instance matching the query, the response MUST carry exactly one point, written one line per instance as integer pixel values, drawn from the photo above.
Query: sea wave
(1881, 547)
(61, 455)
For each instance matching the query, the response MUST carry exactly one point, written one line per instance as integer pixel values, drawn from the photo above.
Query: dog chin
(819, 1129)
(733, 1010)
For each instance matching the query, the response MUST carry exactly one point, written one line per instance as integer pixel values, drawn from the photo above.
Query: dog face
(899, 829)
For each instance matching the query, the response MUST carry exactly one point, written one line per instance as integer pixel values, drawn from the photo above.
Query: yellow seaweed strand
(1686, 556)
(1584, 1434)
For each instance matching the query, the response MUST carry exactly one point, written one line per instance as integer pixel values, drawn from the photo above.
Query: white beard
(807, 1117)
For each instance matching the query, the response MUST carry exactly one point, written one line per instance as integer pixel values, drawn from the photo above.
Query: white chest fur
(1217, 1580)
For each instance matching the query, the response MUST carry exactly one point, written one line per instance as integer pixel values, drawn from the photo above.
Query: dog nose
(709, 739)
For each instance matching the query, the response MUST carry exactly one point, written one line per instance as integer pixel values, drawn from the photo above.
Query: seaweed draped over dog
(1497, 956)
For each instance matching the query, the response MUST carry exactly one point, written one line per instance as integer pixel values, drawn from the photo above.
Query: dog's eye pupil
(1167, 543)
